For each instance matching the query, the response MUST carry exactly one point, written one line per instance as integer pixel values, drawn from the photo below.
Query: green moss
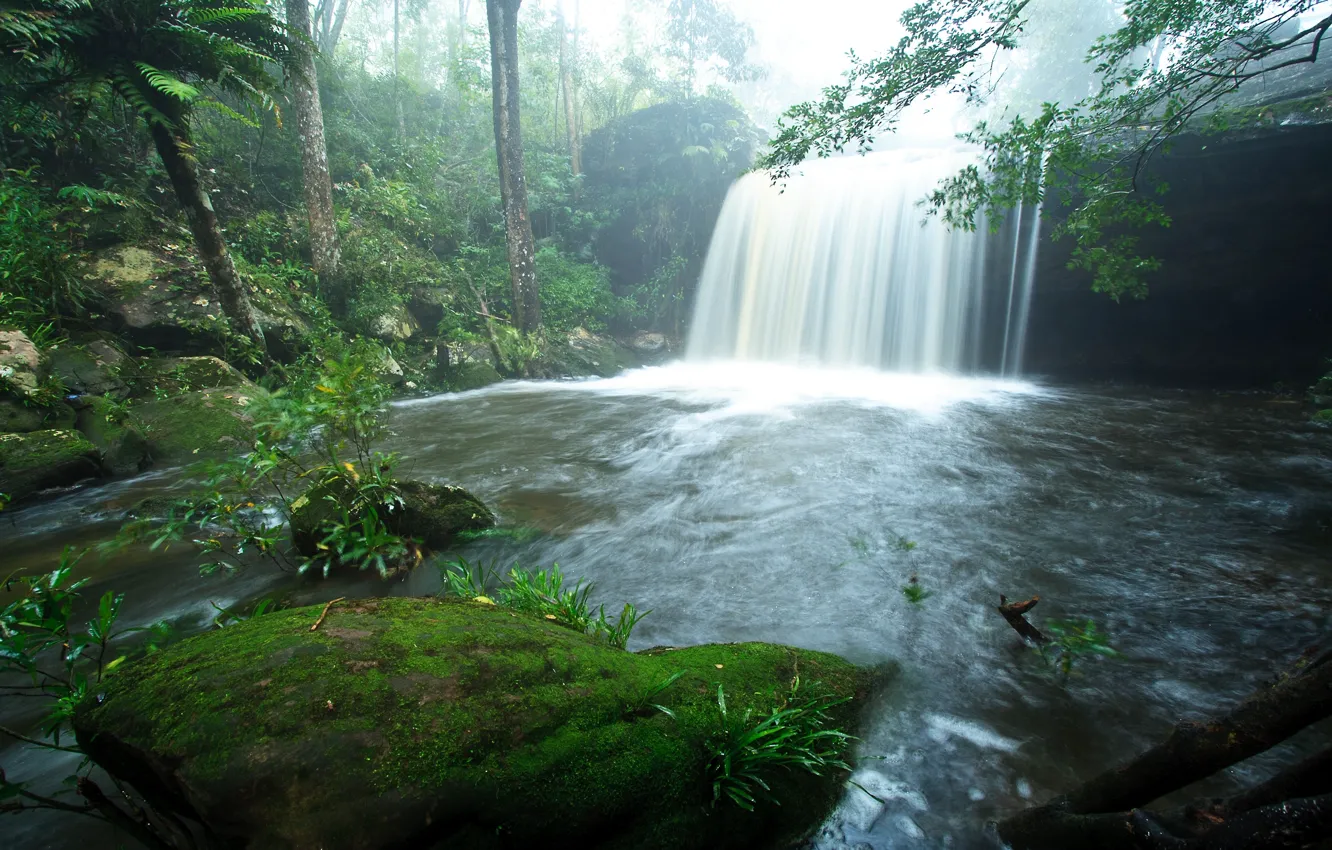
(22, 416)
(206, 422)
(43, 459)
(117, 434)
(478, 720)
(472, 375)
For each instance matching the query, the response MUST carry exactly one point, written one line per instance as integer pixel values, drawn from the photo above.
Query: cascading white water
(842, 268)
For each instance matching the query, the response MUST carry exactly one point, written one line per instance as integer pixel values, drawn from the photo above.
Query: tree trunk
(314, 152)
(174, 147)
(502, 16)
(397, 96)
(333, 26)
(570, 107)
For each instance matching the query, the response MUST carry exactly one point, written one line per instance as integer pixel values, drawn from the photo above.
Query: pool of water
(759, 502)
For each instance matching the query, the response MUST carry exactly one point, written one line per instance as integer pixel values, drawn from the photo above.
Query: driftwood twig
(324, 613)
(1014, 613)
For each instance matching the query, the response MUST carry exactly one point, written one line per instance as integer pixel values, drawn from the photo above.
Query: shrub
(574, 294)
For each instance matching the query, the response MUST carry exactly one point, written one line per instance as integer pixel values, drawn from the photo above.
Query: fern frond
(213, 17)
(222, 109)
(168, 84)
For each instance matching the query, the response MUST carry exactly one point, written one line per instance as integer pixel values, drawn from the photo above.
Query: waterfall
(842, 267)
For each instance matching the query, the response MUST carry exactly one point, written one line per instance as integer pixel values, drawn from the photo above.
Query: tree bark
(502, 16)
(570, 104)
(318, 185)
(1104, 811)
(174, 147)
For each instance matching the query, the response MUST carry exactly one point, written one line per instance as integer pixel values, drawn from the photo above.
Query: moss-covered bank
(430, 723)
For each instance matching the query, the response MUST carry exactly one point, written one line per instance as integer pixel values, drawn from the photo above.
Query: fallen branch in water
(1291, 810)
(1014, 613)
(324, 613)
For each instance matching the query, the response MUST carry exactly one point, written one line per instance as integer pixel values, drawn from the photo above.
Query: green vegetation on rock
(411, 721)
(42, 459)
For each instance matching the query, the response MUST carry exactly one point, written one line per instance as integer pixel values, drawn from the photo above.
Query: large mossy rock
(201, 423)
(582, 354)
(22, 416)
(158, 296)
(431, 513)
(90, 368)
(40, 460)
(117, 433)
(22, 367)
(428, 724)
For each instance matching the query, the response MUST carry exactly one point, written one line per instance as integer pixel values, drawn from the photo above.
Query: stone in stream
(431, 513)
(199, 424)
(40, 460)
(444, 723)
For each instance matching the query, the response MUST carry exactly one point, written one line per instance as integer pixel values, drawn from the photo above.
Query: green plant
(465, 579)
(914, 593)
(542, 593)
(228, 616)
(1071, 640)
(315, 439)
(795, 735)
(45, 655)
(647, 703)
(573, 294)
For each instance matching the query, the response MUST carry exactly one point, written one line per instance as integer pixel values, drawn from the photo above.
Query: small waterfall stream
(842, 266)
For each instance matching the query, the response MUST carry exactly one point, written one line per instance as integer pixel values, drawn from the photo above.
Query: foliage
(655, 182)
(149, 52)
(318, 436)
(795, 734)
(707, 32)
(46, 655)
(542, 593)
(1159, 74)
(914, 593)
(573, 294)
(1071, 640)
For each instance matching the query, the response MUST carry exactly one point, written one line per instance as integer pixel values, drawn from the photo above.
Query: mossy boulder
(431, 723)
(163, 377)
(157, 295)
(201, 423)
(92, 368)
(117, 433)
(40, 460)
(582, 354)
(466, 366)
(21, 417)
(431, 513)
(22, 367)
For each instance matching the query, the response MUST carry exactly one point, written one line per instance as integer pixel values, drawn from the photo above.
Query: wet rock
(389, 370)
(431, 513)
(428, 305)
(163, 377)
(22, 367)
(92, 368)
(648, 342)
(581, 354)
(396, 325)
(431, 723)
(199, 424)
(117, 433)
(160, 298)
(21, 416)
(40, 460)
(466, 366)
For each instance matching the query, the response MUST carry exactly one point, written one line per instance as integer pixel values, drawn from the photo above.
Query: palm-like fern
(159, 56)
(156, 54)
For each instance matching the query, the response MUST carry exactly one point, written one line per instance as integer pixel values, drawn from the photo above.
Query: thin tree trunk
(570, 109)
(502, 16)
(397, 96)
(336, 32)
(174, 147)
(314, 152)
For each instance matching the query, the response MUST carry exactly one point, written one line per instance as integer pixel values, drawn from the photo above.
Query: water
(843, 267)
(763, 502)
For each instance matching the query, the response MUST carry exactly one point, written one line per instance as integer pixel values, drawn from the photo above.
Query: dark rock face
(429, 723)
(1242, 299)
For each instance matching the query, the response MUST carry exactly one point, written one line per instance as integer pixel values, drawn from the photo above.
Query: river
(763, 502)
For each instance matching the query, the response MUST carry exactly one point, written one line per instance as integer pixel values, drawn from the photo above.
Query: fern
(222, 109)
(167, 84)
(213, 17)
